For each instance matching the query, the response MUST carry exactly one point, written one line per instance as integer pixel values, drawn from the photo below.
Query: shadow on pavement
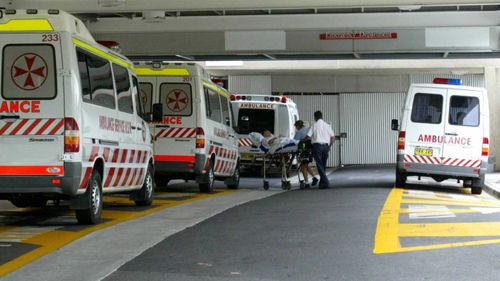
(363, 176)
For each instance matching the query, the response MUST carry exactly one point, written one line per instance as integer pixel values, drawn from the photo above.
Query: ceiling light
(224, 63)
(409, 8)
(111, 3)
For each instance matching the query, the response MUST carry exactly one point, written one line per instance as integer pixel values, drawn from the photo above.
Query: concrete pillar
(492, 84)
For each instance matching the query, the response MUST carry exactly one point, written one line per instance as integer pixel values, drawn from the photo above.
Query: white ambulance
(70, 117)
(193, 130)
(444, 133)
(256, 113)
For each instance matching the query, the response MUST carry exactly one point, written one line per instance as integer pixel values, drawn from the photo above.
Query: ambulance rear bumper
(180, 169)
(68, 185)
(441, 170)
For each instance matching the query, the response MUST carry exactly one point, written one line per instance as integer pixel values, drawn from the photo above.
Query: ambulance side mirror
(394, 124)
(227, 121)
(157, 112)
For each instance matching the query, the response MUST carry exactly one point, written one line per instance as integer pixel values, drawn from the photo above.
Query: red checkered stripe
(37, 127)
(225, 159)
(177, 133)
(123, 167)
(456, 162)
(244, 142)
(422, 159)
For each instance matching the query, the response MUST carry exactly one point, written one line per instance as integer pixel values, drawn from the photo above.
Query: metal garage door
(328, 104)
(366, 120)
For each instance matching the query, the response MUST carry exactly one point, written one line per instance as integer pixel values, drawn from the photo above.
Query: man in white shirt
(322, 139)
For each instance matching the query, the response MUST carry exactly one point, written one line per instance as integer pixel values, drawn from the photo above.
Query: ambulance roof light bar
(447, 81)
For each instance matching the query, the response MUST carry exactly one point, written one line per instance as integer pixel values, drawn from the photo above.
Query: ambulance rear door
(463, 128)
(425, 126)
(31, 105)
(176, 135)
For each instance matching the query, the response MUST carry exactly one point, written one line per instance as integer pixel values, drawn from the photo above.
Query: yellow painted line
(217, 89)
(451, 203)
(472, 229)
(386, 236)
(53, 240)
(104, 54)
(16, 25)
(144, 71)
(456, 211)
(389, 230)
(442, 199)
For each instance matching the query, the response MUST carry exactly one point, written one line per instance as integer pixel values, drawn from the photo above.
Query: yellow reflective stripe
(215, 88)
(162, 72)
(102, 53)
(26, 25)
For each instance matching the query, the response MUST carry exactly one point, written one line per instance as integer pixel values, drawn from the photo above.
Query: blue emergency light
(448, 81)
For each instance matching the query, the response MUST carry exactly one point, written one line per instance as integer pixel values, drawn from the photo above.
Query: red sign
(172, 120)
(358, 35)
(20, 106)
(441, 139)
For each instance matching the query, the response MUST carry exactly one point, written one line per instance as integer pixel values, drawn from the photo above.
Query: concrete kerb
(492, 184)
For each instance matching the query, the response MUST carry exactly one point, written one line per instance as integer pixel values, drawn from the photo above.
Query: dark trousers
(320, 154)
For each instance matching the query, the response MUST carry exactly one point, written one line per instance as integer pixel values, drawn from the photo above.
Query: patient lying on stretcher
(268, 143)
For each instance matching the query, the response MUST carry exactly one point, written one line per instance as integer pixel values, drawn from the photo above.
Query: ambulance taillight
(200, 138)
(71, 136)
(401, 140)
(486, 147)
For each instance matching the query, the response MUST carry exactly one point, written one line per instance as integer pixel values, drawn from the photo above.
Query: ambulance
(256, 113)
(192, 125)
(444, 133)
(71, 123)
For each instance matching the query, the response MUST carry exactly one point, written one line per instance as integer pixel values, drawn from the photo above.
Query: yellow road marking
(389, 230)
(53, 240)
(449, 199)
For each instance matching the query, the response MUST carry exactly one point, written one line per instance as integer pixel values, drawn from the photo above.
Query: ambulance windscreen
(176, 99)
(427, 108)
(464, 111)
(255, 120)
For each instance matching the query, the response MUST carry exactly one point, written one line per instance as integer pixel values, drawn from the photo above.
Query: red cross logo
(29, 71)
(177, 100)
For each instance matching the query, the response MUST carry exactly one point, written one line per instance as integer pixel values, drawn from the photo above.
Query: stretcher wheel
(266, 185)
(302, 185)
(286, 185)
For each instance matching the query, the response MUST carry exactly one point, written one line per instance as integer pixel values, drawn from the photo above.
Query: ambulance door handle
(451, 134)
(9, 116)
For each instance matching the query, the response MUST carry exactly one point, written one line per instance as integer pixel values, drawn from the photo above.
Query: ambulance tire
(477, 185)
(147, 190)
(207, 185)
(235, 178)
(92, 215)
(400, 178)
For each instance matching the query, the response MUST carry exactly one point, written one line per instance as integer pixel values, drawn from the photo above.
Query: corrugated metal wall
(366, 118)
(328, 105)
(250, 84)
(473, 80)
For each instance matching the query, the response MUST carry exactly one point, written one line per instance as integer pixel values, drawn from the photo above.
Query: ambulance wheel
(92, 215)
(147, 190)
(477, 185)
(235, 179)
(208, 184)
(400, 178)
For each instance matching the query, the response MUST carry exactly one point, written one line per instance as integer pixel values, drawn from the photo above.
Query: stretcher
(280, 153)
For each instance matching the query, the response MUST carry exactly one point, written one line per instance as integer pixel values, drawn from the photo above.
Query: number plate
(246, 156)
(423, 151)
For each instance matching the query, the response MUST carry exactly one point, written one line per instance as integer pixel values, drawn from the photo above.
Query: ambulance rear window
(176, 99)
(427, 108)
(255, 120)
(464, 111)
(29, 72)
